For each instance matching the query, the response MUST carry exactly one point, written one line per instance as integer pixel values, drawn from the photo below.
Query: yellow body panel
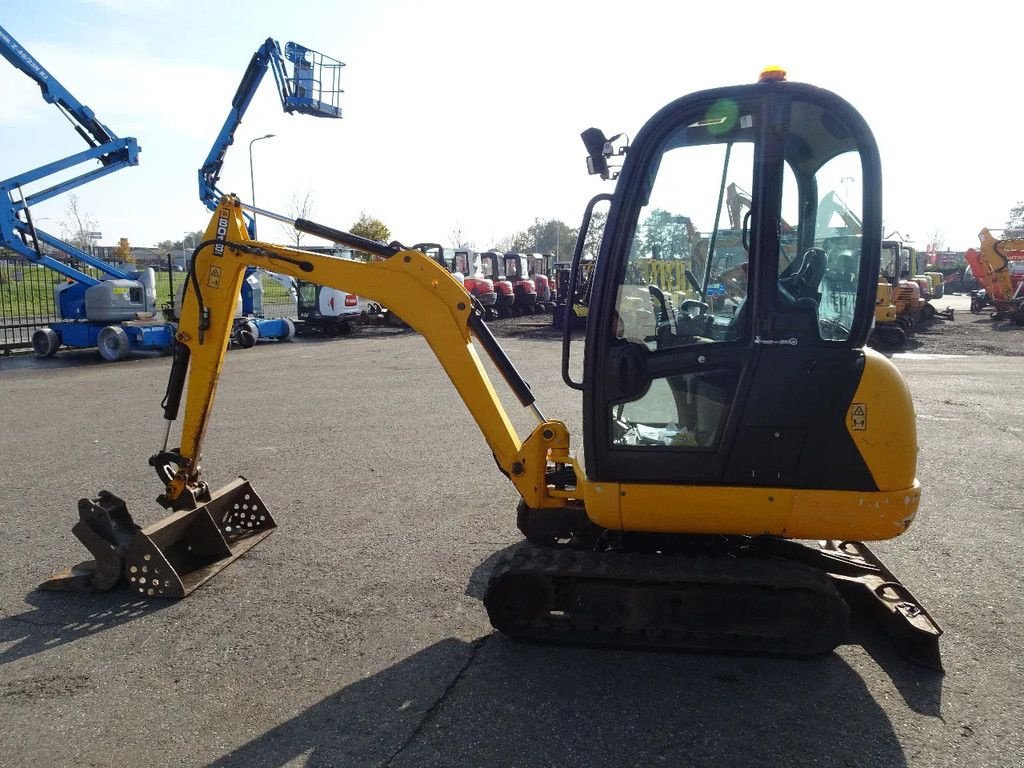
(788, 512)
(885, 312)
(881, 421)
(883, 425)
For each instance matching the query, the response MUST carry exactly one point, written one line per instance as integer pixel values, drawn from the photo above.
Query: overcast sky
(466, 115)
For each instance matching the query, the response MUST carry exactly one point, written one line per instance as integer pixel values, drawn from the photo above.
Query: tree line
(663, 234)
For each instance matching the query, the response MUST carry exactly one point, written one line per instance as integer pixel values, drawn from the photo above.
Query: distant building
(949, 259)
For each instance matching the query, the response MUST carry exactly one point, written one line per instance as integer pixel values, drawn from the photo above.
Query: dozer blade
(871, 590)
(868, 585)
(172, 557)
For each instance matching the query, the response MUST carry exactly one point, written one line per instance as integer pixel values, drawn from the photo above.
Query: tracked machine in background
(735, 458)
(897, 303)
(492, 265)
(524, 289)
(469, 270)
(999, 266)
(542, 273)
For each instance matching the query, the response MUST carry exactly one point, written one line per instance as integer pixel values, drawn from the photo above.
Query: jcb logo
(222, 231)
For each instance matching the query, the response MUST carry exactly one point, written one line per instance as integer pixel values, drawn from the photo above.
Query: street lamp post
(35, 221)
(252, 178)
(93, 238)
(184, 250)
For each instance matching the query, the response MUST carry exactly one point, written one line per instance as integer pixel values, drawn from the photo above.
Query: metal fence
(278, 301)
(26, 301)
(27, 298)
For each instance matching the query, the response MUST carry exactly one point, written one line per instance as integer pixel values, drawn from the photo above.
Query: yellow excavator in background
(734, 458)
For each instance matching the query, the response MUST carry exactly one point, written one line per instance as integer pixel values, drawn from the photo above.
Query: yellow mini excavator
(736, 452)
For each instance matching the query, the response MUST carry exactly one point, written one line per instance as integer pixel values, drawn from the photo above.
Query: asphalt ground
(355, 636)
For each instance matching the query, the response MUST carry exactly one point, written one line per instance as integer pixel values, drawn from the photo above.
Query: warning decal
(213, 281)
(858, 417)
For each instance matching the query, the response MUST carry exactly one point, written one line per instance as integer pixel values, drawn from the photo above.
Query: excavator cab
(743, 393)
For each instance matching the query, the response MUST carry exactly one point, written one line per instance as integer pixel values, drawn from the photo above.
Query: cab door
(739, 376)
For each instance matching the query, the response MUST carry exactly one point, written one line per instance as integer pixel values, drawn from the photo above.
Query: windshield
(513, 267)
(686, 251)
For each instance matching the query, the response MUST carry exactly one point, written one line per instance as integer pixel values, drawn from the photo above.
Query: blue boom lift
(310, 86)
(106, 313)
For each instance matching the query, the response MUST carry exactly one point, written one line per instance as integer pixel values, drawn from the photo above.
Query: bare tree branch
(301, 208)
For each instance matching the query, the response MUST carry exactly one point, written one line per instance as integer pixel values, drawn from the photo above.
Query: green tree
(664, 236)
(191, 240)
(595, 234)
(123, 252)
(371, 228)
(550, 236)
(187, 243)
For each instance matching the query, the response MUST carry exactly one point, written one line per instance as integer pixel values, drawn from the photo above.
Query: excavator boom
(428, 298)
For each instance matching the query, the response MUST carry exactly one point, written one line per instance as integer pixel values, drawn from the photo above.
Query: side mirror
(601, 149)
(594, 141)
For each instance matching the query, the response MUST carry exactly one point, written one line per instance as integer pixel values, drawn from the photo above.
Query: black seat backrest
(803, 280)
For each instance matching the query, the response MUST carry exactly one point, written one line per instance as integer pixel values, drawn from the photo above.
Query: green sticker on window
(721, 116)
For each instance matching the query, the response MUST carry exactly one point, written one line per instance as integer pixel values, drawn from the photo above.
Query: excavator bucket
(172, 557)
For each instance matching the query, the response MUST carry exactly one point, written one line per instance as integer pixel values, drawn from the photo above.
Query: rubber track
(661, 602)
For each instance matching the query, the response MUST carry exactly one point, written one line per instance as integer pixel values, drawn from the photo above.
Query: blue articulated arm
(84, 119)
(27, 234)
(16, 231)
(209, 173)
(112, 153)
(312, 88)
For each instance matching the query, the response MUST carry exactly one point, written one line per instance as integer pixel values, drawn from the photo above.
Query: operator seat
(802, 279)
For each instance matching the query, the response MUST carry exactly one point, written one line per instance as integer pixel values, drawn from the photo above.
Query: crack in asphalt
(432, 710)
